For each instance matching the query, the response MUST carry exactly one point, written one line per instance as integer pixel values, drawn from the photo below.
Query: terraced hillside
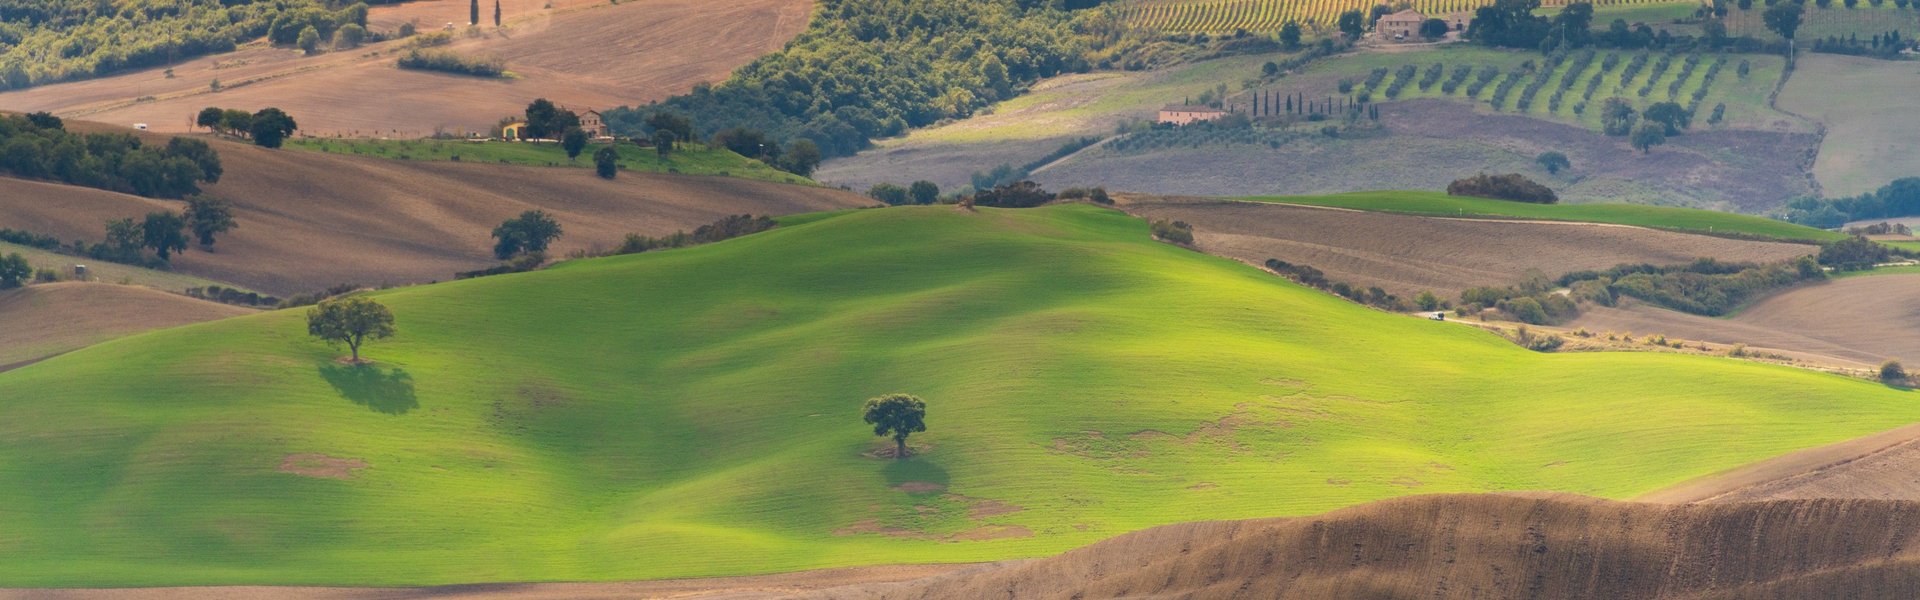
(694, 412)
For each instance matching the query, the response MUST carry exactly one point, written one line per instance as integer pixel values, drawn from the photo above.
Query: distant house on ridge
(1403, 25)
(1182, 114)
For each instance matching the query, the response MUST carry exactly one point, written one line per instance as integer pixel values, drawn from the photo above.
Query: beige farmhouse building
(1181, 114)
(1405, 25)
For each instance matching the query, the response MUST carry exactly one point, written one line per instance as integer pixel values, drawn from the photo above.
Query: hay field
(309, 220)
(1407, 254)
(1867, 106)
(579, 54)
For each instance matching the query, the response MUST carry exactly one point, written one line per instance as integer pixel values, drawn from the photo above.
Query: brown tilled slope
(310, 220)
(1861, 320)
(582, 54)
(39, 321)
(1407, 254)
(1481, 546)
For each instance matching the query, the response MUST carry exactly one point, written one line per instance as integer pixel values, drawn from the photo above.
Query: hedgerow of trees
(874, 68)
(1901, 198)
(37, 146)
(46, 41)
(1512, 186)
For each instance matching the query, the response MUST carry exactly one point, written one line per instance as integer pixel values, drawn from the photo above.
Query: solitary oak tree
(351, 321)
(898, 415)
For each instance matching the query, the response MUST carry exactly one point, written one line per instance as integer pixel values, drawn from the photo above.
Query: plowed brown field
(311, 220)
(1859, 320)
(1440, 547)
(1408, 254)
(39, 321)
(580, 54)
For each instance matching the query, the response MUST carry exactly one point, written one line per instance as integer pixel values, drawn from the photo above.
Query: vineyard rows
(1221, 16)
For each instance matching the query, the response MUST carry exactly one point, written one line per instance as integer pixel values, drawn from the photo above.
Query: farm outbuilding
(514, 131)
(1181, 114)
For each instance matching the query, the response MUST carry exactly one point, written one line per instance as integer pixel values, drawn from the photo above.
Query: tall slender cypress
(473, 13)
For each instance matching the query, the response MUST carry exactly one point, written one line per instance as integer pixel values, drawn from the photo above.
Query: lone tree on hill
(210, 118)
(14, 271)
(573, 141)
(1353, 23)
(526, 234)
(165, 233)
(208, 217)
(271, 126)
(1784, 18)
(1553, 162)
(352, 321)
(606, 162)
(1289, 37)
(898, 415)
(1648, 135)
(1892, 372)
(663, 142)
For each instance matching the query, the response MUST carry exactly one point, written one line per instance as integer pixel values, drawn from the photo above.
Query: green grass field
(695, 412)
(690, 159)
(1659, 217)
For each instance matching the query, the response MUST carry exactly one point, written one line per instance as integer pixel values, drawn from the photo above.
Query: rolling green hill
(1639, 215)
(694, 412)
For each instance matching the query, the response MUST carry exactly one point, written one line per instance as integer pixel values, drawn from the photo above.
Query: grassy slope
(1685, 219)
(694, 412)
(692, 159)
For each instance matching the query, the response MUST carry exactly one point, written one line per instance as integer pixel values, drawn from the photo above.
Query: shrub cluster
(1314, 278)
(1432, 76)
(1480, 81)
(1019, 194)
(1512, 186)
(1854, 254)
(447, 62)
(226, 295)
(726, 228)
(1458, 77)
(1705, 287)
(37, 146)
(1178, 232)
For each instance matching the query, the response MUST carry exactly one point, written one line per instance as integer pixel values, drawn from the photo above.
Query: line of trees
(446, 61)
(38, 146)
(268, 128)
(1901, 198)
(47, 41)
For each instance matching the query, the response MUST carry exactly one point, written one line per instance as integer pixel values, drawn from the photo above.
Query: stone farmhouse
(1405, 25)
(1182, 114)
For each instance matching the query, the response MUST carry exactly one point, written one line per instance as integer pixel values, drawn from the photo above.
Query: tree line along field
(686, 159)
(1225, 16)
(1082, 381)
(1528, 82)
(1865, 19)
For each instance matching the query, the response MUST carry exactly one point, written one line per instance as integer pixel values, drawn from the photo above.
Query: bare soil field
(579, 54)
(1883, 466)
(1407, 254)
(1432, 142)
(1437, 546)
(1863, 320)
(1480, 546)
(1870, 130)
(39, 321)
(310, 220)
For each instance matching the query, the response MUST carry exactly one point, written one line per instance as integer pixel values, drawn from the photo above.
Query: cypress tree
(473, 13)
(496, 13)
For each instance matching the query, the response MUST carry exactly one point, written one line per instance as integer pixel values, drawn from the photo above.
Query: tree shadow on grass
(388, 391)
(914, 469)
